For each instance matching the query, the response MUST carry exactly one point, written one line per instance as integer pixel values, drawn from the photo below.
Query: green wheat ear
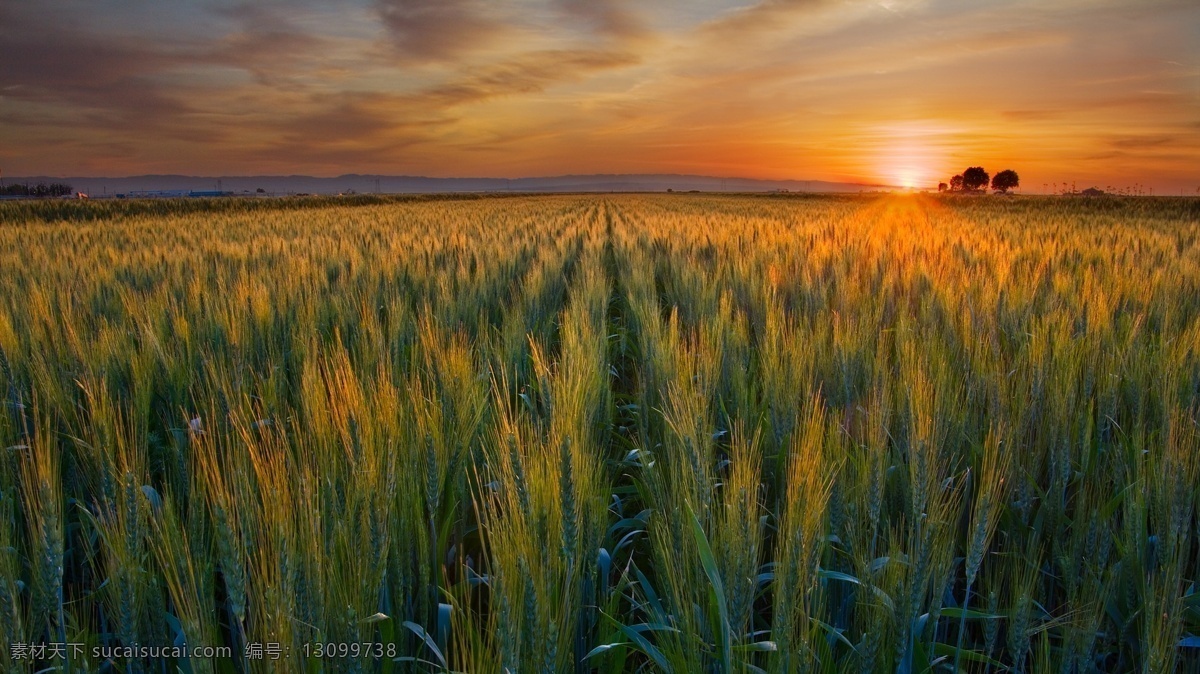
(570, 527)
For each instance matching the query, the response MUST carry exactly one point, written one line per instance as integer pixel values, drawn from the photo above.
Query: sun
(907, 153)
(907, 176)
(907, 168)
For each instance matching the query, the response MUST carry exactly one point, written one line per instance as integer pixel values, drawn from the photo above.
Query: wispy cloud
(612, 19)
(752, 20)
(440, 29)
(1138, 142)
(526, 73)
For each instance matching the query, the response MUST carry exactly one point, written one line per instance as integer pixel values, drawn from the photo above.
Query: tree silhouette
(975, 178)
(942, 187)
(956, 183)
(1006, 180)
(39, 190)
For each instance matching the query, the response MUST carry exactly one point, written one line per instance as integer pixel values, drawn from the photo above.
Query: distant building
(174, 194)
(156, 194)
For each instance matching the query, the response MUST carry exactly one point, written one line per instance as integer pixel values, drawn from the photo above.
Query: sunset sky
(901, 92)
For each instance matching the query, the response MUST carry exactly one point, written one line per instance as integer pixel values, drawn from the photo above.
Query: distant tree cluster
(975, 179)
(1006, 180)
(38, 190)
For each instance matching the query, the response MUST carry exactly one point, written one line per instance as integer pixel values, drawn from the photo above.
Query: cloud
(765, 16)
(103, 80)
(265, 41)
(124, 82)
(439, 29)
(523, 74)
(339, 123)
(454, 31)
(1032, 115)
(612, 19)
(339, 119)
(1142, 142)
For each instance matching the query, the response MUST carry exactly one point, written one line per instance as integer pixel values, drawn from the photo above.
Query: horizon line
(437, 177)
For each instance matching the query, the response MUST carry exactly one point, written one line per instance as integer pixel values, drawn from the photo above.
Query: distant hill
(365, 184)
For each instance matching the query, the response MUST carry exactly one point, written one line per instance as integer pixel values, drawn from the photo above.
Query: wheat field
(606, 433)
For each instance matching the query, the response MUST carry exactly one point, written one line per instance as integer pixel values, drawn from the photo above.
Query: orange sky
(890, 91)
